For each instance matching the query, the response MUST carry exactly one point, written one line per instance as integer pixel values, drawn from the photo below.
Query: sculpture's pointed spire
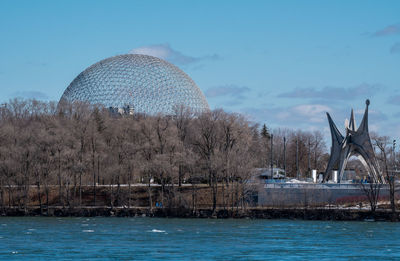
(364, 123)
(352, 124)
(357, 143)
(336, 148)
(337, 137)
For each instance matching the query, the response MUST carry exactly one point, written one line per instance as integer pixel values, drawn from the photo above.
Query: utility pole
(309, 157)
(284, 155)
(394, 155)
(315, 153)
(272, 156)
(297, 158)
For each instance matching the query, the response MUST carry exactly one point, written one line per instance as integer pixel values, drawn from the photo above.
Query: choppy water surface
(195, 239)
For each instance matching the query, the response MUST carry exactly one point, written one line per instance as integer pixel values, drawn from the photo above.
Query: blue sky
(283, 63)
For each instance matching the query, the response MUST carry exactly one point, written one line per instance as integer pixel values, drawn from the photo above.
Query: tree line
(45, 145)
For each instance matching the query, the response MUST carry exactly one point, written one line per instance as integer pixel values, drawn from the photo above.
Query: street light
(394, 154)
(297, 158)
(284, 155)
(272, 159)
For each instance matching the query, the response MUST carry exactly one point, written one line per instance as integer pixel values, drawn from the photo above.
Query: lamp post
(272, 156)
(297, 158)
(284, 155)
(309, 156)
(394, 155)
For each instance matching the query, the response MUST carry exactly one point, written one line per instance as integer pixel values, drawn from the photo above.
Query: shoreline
(323, 214)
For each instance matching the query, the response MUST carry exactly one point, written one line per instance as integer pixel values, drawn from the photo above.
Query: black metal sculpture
(356, 143)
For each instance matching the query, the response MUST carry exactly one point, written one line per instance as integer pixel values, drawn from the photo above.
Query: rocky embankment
(253, 213)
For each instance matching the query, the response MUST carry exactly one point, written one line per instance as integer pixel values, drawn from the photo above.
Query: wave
(157, 231)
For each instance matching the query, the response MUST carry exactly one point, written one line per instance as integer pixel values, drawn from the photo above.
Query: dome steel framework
(146, 83)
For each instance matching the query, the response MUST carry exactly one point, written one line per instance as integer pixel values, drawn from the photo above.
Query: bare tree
(64, 152)
(382, 144)
(372, 190)
(205, 142)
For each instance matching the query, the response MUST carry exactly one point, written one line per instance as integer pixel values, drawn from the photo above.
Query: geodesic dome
(145, 83)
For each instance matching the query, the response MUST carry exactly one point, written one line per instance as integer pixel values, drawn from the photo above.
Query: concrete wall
(300, 195)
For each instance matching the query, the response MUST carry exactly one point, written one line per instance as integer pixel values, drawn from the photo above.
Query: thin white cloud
(162, 51)
(228, 95)
(312, 113)
(395, 48)
(313, 116)
(226, 90)
(166, 52)
(388, 30)
(31, 95)
(297, 116)
(334, 93)
(395, 100)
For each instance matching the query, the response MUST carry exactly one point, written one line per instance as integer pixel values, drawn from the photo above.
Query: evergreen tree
(265, 132)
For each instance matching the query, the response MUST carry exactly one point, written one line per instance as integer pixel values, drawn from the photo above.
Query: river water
(41, 238)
